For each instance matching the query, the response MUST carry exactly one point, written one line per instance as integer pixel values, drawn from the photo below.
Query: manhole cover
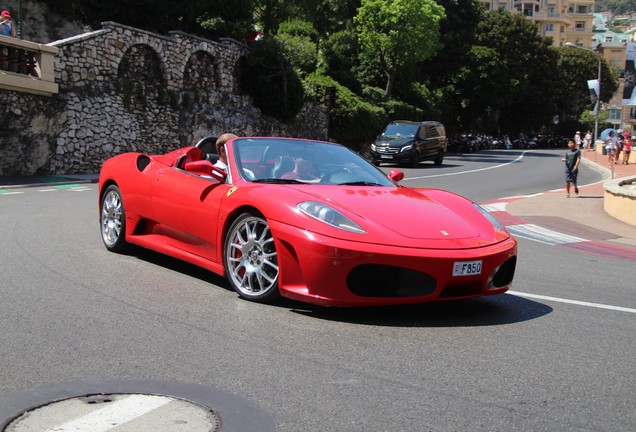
(117, 412)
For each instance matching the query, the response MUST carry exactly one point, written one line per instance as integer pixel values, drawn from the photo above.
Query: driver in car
(304, 169)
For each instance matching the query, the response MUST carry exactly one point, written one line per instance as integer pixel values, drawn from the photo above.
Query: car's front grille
(375, 280)
(387, 150)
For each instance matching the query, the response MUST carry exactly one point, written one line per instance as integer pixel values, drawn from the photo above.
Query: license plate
(386, 156)
(466, 268)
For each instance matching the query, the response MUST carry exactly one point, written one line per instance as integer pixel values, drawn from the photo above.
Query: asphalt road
(70, 310)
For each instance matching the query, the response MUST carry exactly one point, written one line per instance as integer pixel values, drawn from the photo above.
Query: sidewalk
(582, 216)
(12, 182)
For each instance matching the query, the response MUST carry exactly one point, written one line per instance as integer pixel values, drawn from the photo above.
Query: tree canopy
(398, 33)
(447, 60)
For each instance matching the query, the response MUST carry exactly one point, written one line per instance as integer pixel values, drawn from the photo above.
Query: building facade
(562, 20)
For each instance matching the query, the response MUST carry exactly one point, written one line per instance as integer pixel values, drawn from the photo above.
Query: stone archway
(200, 74)
(139, 76)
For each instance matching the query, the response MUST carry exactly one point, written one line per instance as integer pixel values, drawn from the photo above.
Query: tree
(271, 81)
(398, 33)
(575, 67)
(508, 86)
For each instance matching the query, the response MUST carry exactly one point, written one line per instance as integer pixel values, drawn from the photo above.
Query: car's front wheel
(112, 220)
(439, 159)
(251, 261)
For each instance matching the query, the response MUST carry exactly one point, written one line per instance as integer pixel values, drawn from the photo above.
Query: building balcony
(27, 67)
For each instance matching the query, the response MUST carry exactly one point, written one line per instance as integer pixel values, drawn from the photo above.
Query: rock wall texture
(124, 89)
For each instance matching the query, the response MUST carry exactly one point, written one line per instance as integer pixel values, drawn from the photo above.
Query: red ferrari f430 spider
(307, 220)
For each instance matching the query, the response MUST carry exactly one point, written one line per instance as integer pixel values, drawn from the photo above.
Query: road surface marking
(113, 415)
(574, 302)
(469, 171)
(542, 235)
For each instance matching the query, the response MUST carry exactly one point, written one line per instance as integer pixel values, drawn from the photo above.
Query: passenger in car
(222, 162)
(220, 149)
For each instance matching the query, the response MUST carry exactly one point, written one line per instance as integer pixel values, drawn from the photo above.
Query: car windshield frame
(274, 161)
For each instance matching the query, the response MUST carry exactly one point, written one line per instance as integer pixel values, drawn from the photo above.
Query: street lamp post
(597, 108)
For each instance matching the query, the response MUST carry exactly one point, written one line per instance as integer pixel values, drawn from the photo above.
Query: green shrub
(353, 121)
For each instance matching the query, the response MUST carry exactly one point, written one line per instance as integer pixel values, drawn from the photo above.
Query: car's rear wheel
(251, 261)
(113, 220)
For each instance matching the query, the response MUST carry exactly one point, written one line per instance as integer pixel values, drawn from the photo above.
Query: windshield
(400, 130)
(292, 161)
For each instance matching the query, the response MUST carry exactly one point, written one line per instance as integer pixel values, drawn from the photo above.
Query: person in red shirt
(627, 148)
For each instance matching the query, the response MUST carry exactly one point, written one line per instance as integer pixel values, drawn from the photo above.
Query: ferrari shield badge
(231, 191)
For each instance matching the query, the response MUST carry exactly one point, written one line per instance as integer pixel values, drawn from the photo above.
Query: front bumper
(328, 271)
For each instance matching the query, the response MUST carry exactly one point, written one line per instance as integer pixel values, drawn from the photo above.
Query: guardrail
(27, 66)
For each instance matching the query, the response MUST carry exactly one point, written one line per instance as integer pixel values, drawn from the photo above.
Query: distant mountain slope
(617, 7)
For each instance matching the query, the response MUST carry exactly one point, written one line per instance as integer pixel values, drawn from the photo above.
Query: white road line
(11, 193)
(470, 171)
(48, 190)
(498, 206)
(542, 235)
(113, 414)
(574, 302)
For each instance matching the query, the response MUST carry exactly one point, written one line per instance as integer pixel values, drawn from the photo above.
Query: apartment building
(562, 20)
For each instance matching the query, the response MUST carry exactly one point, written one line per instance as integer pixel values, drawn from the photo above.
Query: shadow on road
(484, 311)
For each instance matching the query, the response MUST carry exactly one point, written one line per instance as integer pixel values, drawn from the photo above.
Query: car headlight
(330, 216)
(488, 216)
(373, 147)
(406, 148)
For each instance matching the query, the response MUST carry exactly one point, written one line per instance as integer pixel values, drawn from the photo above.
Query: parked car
(314, 222)
(410, 142)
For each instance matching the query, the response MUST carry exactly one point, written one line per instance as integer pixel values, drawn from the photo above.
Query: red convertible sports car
(308, 220)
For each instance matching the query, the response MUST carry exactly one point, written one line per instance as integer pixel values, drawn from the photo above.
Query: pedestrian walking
(577, 139)
(588, 141)
(572, 160)
(627, 148)
(611, 145)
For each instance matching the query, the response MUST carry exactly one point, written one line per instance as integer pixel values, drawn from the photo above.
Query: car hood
(411, 213)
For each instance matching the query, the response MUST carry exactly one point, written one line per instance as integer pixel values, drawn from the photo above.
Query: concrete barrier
(620, 199)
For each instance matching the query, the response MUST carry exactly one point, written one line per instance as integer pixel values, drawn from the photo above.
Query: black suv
(410, 142)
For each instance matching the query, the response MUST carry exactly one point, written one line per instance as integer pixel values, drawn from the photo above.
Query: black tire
(414, 162)
(250, 258)
(112, 220)
(439, 158)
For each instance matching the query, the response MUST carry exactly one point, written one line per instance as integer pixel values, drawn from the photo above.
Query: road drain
(117, 412)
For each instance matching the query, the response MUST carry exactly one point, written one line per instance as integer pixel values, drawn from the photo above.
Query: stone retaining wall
(124, 89)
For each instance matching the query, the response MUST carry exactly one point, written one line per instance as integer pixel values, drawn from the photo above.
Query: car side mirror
(206, 169)
(396, 175)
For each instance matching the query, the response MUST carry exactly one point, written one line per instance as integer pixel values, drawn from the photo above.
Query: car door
(187, 208)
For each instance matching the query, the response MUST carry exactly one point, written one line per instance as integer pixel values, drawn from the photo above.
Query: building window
(581, 10)
(609, 39)
(527, 11)
(549, 27)
(551, 10)
(614, 114)
(580, 26)
(632, 113)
